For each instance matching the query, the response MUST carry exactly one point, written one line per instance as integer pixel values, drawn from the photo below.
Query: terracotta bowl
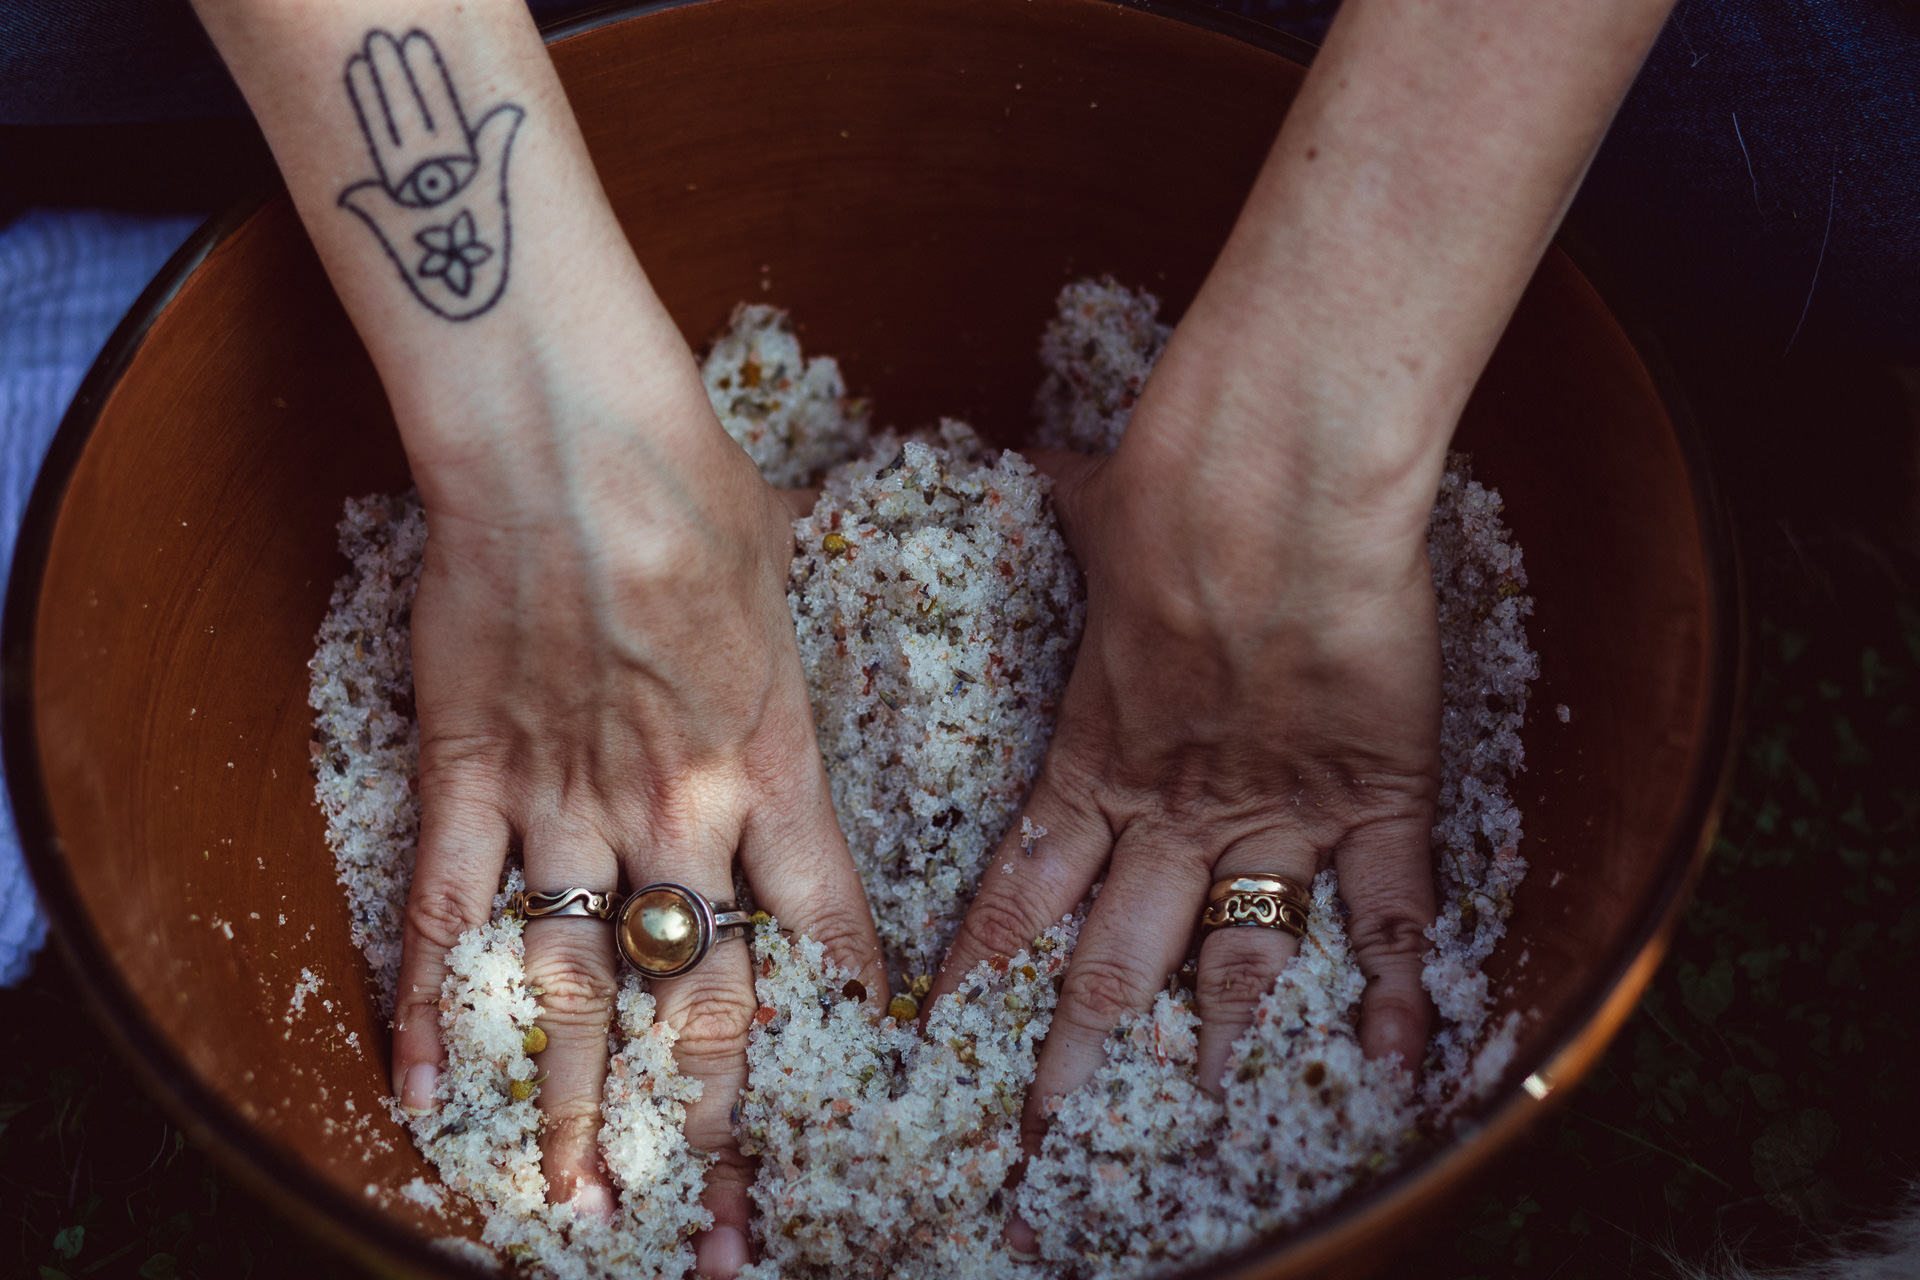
(915, 182)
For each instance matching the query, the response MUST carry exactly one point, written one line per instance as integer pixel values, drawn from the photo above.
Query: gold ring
(1271, 902)
(666, 929)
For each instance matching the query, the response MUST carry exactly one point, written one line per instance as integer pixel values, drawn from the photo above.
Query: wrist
(1288, 437)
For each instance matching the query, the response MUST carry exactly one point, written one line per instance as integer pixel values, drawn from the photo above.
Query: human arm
(1257, 688)
(605, 670)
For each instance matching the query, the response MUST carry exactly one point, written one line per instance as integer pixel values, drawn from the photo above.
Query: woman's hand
(1257, 691)
(608, 679)
(1258, 684)
(606, 673)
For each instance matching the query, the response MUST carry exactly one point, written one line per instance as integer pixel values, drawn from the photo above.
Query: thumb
(379, 210)
(494, 136)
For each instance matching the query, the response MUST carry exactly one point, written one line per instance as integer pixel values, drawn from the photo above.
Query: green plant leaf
(1769, 1090)
(68, 1242)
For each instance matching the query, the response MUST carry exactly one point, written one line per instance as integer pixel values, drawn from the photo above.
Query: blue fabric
(65, 281)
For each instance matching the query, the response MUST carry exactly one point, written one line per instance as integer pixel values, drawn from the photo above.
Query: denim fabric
(1761, 187)
(108, 62)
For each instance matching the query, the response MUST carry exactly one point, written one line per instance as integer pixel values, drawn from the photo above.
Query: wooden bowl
(915, 182)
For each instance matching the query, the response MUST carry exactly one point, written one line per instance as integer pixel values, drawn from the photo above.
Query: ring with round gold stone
(664, 929)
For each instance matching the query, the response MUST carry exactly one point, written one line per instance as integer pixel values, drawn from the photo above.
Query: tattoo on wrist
(439, 203)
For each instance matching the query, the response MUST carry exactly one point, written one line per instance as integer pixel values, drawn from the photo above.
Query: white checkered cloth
(66, 278)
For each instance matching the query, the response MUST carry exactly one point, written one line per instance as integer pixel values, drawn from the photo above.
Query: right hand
(608, 678)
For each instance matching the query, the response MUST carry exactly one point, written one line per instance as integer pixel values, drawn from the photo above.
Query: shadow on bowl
(915, 183)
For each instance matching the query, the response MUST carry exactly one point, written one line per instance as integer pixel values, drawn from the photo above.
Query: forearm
(534, 297)
(1418, 179)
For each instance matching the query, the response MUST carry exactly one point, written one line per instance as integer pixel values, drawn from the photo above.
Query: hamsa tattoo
(438, 204)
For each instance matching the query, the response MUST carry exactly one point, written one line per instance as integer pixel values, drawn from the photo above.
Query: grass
(1761, 1097)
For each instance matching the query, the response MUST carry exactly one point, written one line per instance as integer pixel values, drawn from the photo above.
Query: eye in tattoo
(439, 204)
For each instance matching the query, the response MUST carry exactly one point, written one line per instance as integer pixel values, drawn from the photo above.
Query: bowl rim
(347, 1223)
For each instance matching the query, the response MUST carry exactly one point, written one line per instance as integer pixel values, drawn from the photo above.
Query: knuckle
(711, 1022)
(1233, 983)
(1388, 939)
(573, 990)
(731, 1173)
(1035, 1120)
(454, 765)
(997, 924)
(438, 917)
(1101, 991)
(1397, 1004)
(846, 933)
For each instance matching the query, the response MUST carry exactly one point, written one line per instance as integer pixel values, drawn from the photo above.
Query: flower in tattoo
(453, 251)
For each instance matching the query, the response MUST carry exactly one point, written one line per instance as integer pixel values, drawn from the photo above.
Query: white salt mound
(790, 414)
(1097, 352)
(937, 611)
(366, 746)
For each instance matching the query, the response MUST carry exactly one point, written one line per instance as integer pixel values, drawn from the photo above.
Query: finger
(1386, 880)
(1032, 880)
(433, 89)
(456, 872)
(710, 1011)
(570, 962)
(1135, 936)
(797, 861)
(1238, 964)
(494, 136)
(402, 98)
(371, 107)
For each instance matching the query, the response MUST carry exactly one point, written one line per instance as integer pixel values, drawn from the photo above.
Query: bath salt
(917, 1133)
(1487, 667)
(482, 1133)
(1097, 352)
(366, 744)
(1143, 1170)
(937, 611)
(792, 415)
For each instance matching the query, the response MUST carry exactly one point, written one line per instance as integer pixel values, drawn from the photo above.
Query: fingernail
(416, 1093)
(720, 1253)
(1022, 1242)
(593, 1198)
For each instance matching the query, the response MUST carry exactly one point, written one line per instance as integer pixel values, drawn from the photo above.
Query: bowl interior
(914, 182)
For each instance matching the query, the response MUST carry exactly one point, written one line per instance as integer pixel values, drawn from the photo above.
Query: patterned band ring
(567, 902)
(1268, 901)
